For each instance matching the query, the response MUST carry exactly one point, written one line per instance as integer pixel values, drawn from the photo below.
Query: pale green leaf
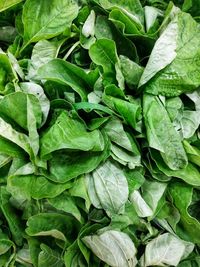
(113, 247)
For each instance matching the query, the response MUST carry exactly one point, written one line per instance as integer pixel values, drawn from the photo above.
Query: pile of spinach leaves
(99, 140)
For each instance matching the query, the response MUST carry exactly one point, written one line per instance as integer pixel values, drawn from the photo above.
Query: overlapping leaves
(99, 133)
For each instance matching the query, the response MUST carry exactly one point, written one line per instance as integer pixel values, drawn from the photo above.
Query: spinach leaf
(163, 71)
(159, 251)
(48, 22)
(103, 182)
(167, 142)
(99, 133)
(76, 138)
(114, 247)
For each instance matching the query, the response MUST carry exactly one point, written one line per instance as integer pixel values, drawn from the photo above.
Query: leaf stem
(71, 50)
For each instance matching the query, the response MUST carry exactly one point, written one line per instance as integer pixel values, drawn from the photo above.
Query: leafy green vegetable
(99, 133)
(5, 4)
(76, 138)
(48, 257)
(167, 142)
(115, 248)
(50, 224)
(108, 188)
(48, 22)
(160, 251)
(176, 46)
(66, 73)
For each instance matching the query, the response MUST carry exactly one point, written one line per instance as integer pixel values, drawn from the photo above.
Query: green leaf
(190, 174)
(132, 8)
(73, 256)
(190, 123)
(191, 7)
(130, 111)
(193, 153)
(79, 189)
(160, 251)
(108, 188)
(9, 148)
(141, 207)
(68, 133)
(68, 74)
(4, 159)
(167, 142)
(103, 52)
(116, 133)
(47, 22)
(124, 45)
(147, 203)
(34, 247)
(20, 139)
(124, 157)
(14, 107)
(5, 4)
(188, 227)
(5, 243)
(164, 72)
(174, 107)
(132, 71)
(38, 92)
(65, 166)
(13, 220)
(37, 187)
(113, 247)
(163, 53)
(126, 23)
(23, 256)
(99, 133)
(195, 97)
(32, 127)
(43, 52)
(190, 262)
(7, 72)
(151, 18)
(49, 257)
(87, 106)
(66, 203)
(50, 224)
(124, 150)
